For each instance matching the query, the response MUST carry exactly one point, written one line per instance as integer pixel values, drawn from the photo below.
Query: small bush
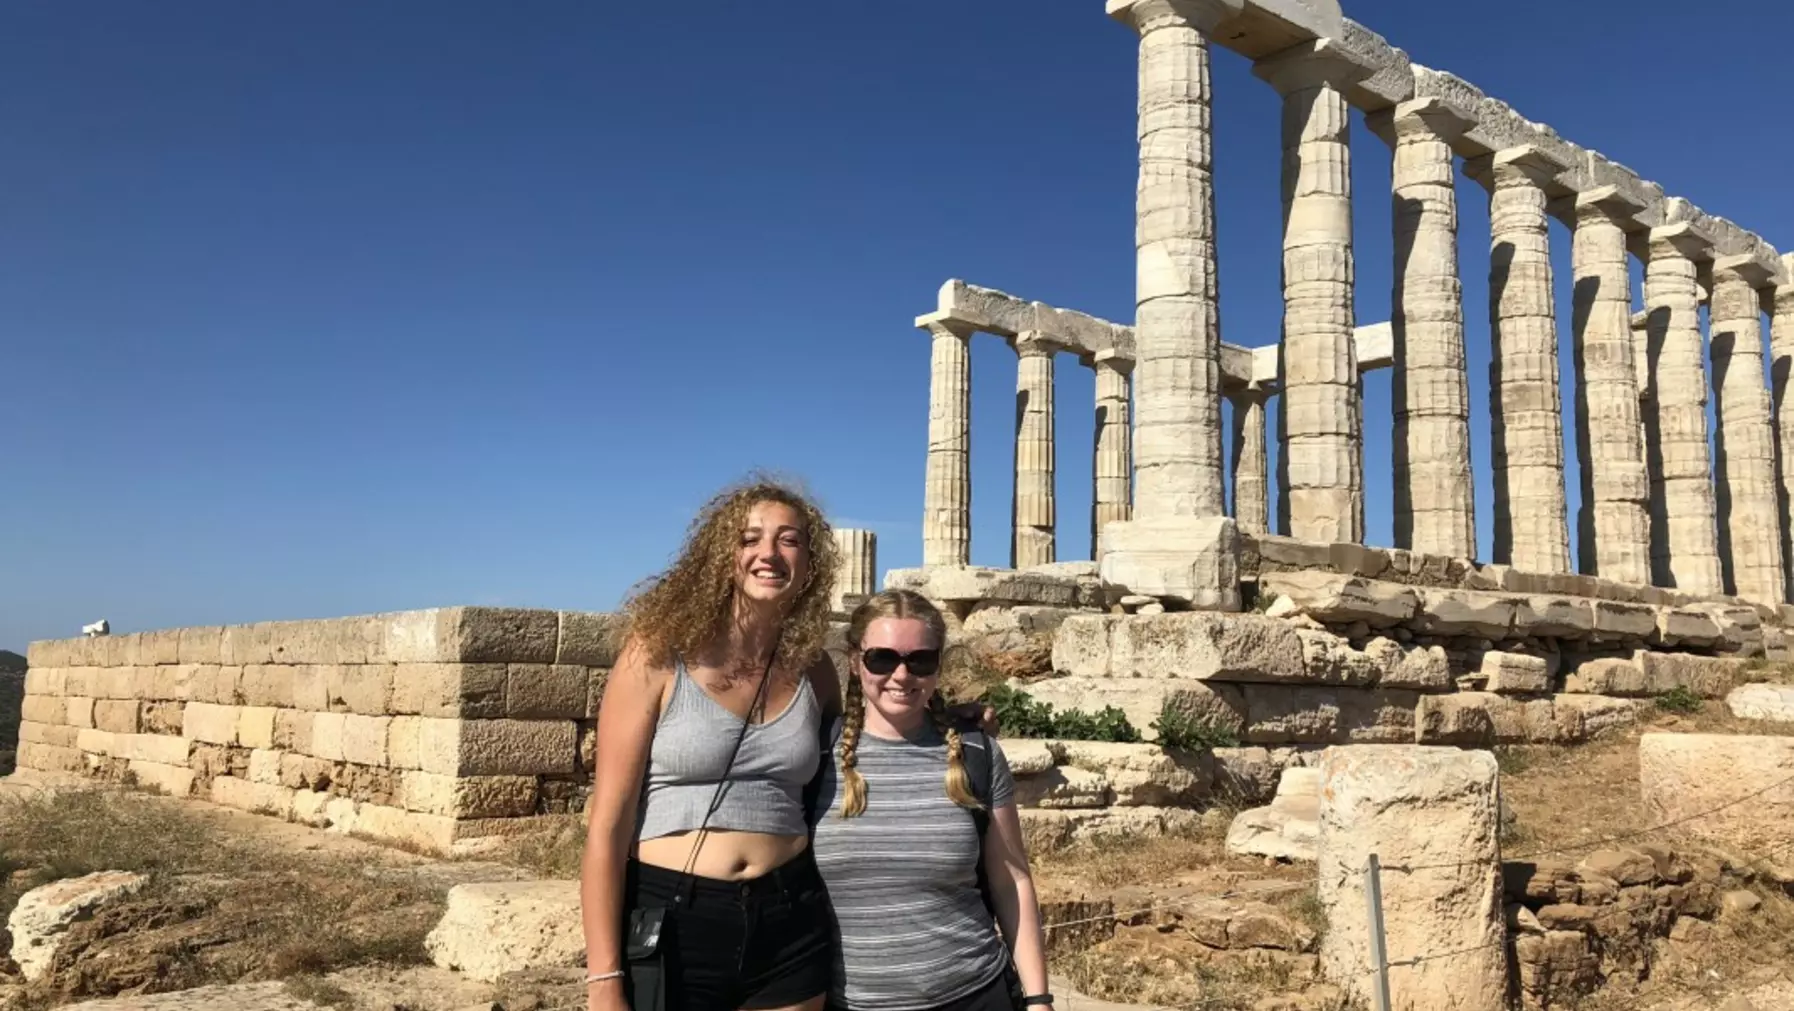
(1019, 715)
(1179, 729)
(1679, 700)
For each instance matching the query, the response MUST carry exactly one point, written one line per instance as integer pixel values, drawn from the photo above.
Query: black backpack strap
(981, 770)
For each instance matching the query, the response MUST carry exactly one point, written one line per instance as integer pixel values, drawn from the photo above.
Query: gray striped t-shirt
(903, 879)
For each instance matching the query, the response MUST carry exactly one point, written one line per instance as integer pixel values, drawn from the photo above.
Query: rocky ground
(243, 913)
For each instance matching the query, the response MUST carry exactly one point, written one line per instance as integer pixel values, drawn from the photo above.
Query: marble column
(1781, 366)
(1319, 471)
(1034, 506)
(1612, 524)
(1525, 402)
(1112, 463)
(1435, 511)
(1684, 542)
(1251, 504)
(856, 552)
(1748, 525)
(947, 490)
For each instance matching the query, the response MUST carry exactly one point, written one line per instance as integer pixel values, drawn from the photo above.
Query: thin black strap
(722, 785)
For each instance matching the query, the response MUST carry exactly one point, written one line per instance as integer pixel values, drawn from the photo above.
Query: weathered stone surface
(1464, 612)
(1143, 700)
(1423, 668)
(1706, 676)
(1289, 828)
(493, 928)
(1249, 775)
(1190, 559)
(1338, 599)
(1733, 790)
(1598, 713)
(1415, 806)
(1762, 702)
(1063, 827)
(1194, 645)
(535, 691)
(1619, 619)
(471, 635)
(974, 584)
(42, 917)
(1515, 673)
(1561, 617)
(1621, 676)
(1279, 714)
(1062, 788)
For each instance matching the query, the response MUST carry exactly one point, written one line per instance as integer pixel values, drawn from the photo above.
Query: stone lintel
(1744, 267)
(1312, 64)
(1005, 315)
(1680, 239)
(1421, 117)
(1252, 28)
(1032, 342)
(1393, 81)
(1604, 171)
(1608, 201)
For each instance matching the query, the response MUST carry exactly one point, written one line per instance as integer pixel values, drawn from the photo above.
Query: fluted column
(1684, 543)
(1034, 506)
(856, 572)
(1781, 351)
(1612, 523)
(1112, 462)
(1748, 526)
(1251, 504)
(1435, 511)
(947, 490)
(1525, 402)
(1319, 471)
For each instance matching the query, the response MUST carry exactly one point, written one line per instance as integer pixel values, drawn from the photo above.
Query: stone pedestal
(1746, 509)
(1435, 511)
(1414, 807)
(1684, 542)
(1526, 415)
(947, 489)
(1251, 496)
(857, 572)
(1193, 560)
(1111, 500)
(1612, 523)
(1036, 512)
(1319, 470)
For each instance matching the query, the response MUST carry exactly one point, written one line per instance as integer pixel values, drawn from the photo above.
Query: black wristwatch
(1038, 1000)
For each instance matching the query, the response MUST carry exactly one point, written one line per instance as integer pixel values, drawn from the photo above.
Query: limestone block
(1062, 788)
(469, 690)
(1707, 676)
(256, 798)
(309, 808)
(1422, 668)
(173, 780)
(1082, 644)
(97, 742)
(545, 691)
(50, 758)
(117, 683)
(1620, 676)
(1464, 612)
(1202, 645)
(471, 635)
(43, 915)
(1141, 774)
(1558, 617)
(589, 639)
(359, 639)
(402, 742)
(311, 687)
(1338, 599)
(491, 929)
(45, 653)
(1515, 673)
(34, 733)
(160, 749)
(1191, 559)
(328, 731)
(264, 766)
(976, 584)
(255, 726)
(1330, 659)
(1600, 714)
(1618, 619)
(292, 729)
(1143, 700)
(46, 709)
(1686, 626)
(1762, 702)
(1736, 791)
(1279, 714)
(199, 644)
(209, 723)
(364, 739)
(173, 682)
(267, 685)
(429, 832)
(80, 681)
(467, 796)
(1061, 827)
(1415, 807)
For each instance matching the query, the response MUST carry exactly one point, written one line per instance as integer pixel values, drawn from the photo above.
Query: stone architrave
(1035, 511)
(1319, 471)
(1525, 403)
(1251, 501)
(856, 553)
(1781, 367)
(947, 490)
(1684, 542)
(1178, 544)
(1746, 508)
(1612, 523)
(1435, 511)
(1111, 499)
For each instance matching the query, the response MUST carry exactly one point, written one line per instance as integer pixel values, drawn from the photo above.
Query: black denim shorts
(767, 942)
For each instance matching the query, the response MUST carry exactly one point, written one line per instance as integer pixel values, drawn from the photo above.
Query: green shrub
(1179, 729)
(1019, 715)
(1679, 700)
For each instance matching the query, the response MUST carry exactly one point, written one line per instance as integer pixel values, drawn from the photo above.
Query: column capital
(1421, 118)
(1743, 267)
(1679, 240)
(940, 324)
(1113, 360)
(1034, 344)
(1313, 64)
(1524, 163)
(1145, 15)
(1607, 203)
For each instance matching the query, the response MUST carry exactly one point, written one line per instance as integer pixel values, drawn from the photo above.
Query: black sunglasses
(923, 663)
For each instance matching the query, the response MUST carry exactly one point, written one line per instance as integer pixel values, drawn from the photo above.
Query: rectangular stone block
(160, 749)
(327, 733)
(1710, 677)
(172, 683)
(468, 796)
(359, 639)
(469, 690)
(1515, 673)
(257, 798)
(545, 691)
(61, 737)
(472, 635)
(311, 687)
(111, 651)
(1619, 619)
(161, 718)
(44, 709)
(255, 726)
(96, 742)
(50, 758)
(264, 766)
(209, 723)
(364, 739)
(359, 688)
(117, 683)
(78, 711)
(428, 832)
(1558, 617)
(402, 742)
(117, 716)
(199, 644)
(48, 653)
(1284, 714)
(267, 685)
(292, 729)
(172, 780)
(34, 733)
(589, 639)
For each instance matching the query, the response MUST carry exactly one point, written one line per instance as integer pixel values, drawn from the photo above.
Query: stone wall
(442, 729)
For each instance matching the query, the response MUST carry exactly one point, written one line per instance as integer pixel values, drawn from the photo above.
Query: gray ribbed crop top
(691, 749)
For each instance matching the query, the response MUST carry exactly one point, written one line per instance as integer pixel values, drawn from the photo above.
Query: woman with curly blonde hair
(698, 888)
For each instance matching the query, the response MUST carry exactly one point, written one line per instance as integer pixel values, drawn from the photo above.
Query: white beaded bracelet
(599, 977)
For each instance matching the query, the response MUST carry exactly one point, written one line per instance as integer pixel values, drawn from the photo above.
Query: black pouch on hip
(643, 948)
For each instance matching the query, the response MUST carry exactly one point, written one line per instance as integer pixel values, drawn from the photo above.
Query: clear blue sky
(320, 309)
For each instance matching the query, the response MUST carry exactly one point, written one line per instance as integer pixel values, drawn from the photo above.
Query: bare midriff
(725, 855)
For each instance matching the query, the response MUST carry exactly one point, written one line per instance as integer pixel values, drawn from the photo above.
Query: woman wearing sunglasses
(904, 833)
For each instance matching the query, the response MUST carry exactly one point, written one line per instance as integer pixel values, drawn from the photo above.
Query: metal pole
(1379, 957)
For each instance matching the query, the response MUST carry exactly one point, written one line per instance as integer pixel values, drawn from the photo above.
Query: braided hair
(896, 604)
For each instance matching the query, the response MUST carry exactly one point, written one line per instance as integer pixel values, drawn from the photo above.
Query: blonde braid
(853, 785)
(959, 782)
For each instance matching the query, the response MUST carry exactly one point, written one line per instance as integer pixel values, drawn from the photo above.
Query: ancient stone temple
(1657, 508)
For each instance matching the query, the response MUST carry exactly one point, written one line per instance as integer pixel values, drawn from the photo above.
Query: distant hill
(11, 662)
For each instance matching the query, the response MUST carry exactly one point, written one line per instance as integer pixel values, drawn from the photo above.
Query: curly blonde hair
(686, 607)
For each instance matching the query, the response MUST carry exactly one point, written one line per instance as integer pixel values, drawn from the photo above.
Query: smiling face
(900, 699)
(772, 563)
